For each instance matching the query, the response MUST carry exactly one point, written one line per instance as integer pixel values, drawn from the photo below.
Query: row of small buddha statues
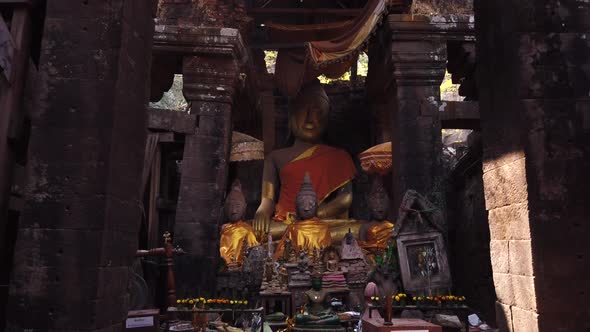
(307, 232)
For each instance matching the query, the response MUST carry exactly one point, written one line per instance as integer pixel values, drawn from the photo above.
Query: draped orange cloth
(330, 50)
(378, 235)
(308, 234)
(329, 169)
(232, 240)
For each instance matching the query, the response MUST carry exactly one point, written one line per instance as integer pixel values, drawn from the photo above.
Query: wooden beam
(460, 115)
(305, 11)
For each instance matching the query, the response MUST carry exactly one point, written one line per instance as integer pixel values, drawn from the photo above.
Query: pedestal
(413, 325)
(269, 301)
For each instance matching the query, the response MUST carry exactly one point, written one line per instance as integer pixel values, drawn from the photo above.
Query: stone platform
(410, 325)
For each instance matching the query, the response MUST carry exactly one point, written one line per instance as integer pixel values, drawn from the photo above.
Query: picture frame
(423, 262)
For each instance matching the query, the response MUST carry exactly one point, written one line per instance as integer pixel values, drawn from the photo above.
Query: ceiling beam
(305, 11)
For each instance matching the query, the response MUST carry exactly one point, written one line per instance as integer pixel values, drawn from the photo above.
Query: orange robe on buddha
(378, 235)
(311, 234)
(232, 240)
(329, 169)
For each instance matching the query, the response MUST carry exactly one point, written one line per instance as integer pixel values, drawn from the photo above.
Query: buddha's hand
(262, 219)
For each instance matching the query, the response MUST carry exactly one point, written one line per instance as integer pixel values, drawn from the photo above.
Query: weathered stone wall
(78, 232)
(469, 233)
(205, 13)
(534, 78)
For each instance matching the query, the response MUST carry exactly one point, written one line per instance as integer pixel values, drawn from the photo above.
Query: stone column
(77, 235)
(418, 67)
(534, 79)
(211, 69)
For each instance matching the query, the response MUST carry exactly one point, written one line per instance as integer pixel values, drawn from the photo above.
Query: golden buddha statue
(375, 234)
(330, 169)
(308, 231)
(236, 234)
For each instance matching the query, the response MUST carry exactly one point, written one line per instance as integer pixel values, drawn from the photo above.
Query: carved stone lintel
(187, 40)
(444, 27)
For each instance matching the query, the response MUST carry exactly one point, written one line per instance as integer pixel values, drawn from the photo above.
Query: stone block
(495, 158)
(524, 292)
(506, 185)
(524, 320)
(500, 256)
(504, 317)
(70, 146)
(521, 257)
(510, 222)
(60, 247)
(112, 281)
(504, 291)
(69, 103)
(81, 213)
(58, 182)
(84, 9)
(215, 126)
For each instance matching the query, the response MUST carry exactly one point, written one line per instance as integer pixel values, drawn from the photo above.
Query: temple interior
(295, 165)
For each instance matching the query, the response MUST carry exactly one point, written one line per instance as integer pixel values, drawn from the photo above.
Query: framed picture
(423, 262)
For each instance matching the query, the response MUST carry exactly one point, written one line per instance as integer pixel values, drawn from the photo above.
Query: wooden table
(399, 324)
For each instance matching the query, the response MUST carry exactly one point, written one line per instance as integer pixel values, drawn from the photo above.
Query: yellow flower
(372, 298)
(178, 301)
(397, 298)
(191, 302)
(231, 302)
(414, 298)
(245, 301)
(377, 298)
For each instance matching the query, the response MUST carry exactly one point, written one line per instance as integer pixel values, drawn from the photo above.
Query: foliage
(172, 99)
(270, 58)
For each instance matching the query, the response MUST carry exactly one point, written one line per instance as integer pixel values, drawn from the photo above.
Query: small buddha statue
(303, 262)
(332, 262)
(237, 233)
(329, 168)
(308, 230)
(318, 311)
(375, 235)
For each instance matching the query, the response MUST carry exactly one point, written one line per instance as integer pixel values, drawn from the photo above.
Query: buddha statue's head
(378, 200)
(235, 204)
(306, 203)
(308, 116)
(316, 280)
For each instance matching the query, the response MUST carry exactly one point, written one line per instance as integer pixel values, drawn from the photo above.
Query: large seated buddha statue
(375, 234)
(307, 232)
(237, 233)
(330, 169)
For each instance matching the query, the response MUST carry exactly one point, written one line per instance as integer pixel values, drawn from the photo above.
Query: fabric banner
(330, 49)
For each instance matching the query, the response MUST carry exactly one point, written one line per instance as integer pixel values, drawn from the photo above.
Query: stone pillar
(77, 235)
(211, 73)
(534, 79)
(418, 63)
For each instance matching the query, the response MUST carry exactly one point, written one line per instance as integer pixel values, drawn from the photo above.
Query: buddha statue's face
(309, 117)
(235, 209)
(306, 206)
